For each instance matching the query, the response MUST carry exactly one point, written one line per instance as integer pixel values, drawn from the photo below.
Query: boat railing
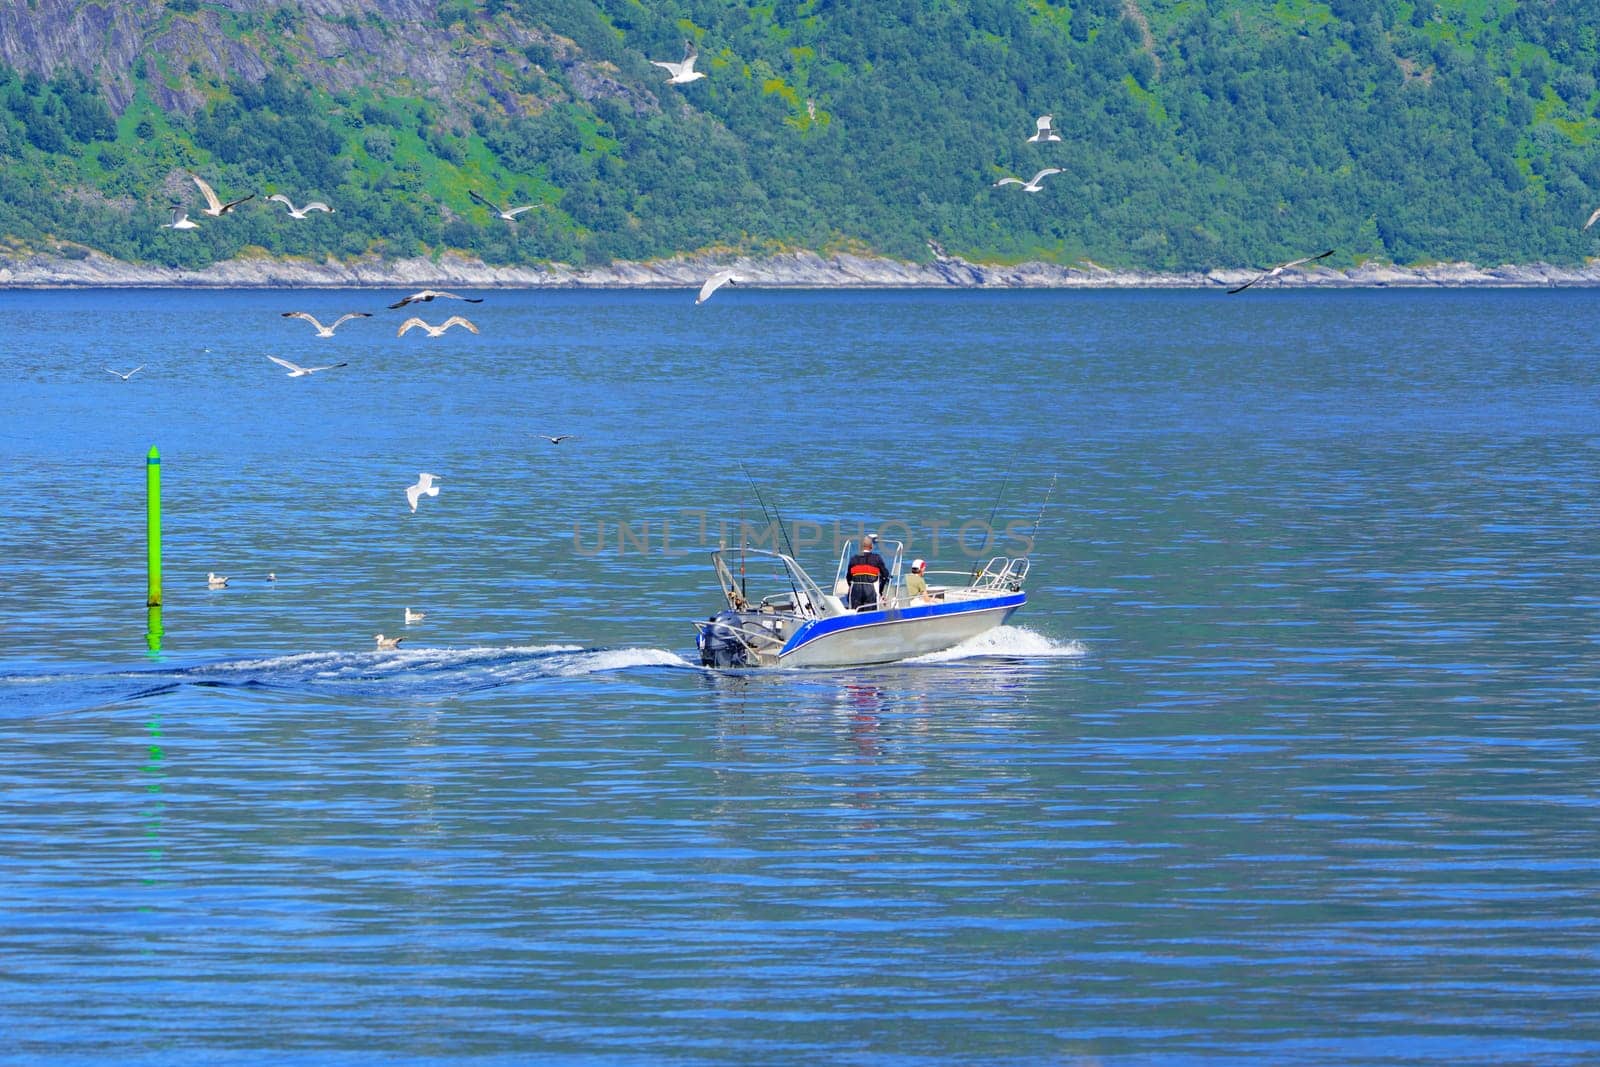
(755, 639)
(803, 599)
(881, 598)
(1001, 573)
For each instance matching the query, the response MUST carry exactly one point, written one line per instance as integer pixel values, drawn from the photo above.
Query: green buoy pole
(152, 525)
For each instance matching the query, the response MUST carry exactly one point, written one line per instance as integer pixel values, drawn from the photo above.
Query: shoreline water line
(791, 270)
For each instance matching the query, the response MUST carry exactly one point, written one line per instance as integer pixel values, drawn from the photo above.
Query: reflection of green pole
(152, 521)
(152, 632)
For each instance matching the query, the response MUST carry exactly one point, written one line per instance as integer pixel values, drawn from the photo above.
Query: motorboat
(788, 620)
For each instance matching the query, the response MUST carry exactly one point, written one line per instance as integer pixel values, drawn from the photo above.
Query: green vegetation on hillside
(1196, 134)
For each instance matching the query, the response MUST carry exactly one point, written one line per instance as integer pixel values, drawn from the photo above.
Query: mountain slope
(1195, 135)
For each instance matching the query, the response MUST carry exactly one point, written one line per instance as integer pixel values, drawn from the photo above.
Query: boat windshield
(760, 580)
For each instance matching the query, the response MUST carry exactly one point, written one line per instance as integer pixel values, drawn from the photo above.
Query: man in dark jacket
(868, 575)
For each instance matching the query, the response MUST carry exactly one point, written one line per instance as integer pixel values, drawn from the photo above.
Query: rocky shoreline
(798, 270)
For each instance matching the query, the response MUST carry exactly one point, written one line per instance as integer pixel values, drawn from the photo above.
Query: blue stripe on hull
(821, 628)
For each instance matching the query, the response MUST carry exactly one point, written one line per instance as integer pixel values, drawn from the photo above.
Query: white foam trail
(1017, 642)
(616, 659)
(551, 660)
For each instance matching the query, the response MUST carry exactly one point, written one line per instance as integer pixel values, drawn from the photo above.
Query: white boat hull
(886, 636)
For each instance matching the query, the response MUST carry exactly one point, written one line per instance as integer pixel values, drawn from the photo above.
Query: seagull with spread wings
(713, 283)
(1277, 271)
(214, 207)
(508, 213)
(1032, 184)
(1043, 131)
(424, 487)
(297, 371)
(681, 73)
(180, 221)
(427, 295)
(558, 438)
(327, 331)
(300, 212)
(435, 331)
(130, 374)
(1592, 218)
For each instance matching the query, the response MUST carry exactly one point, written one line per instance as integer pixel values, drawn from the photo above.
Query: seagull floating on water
(180, 221)
(424, 487)
(130, 374)
(431, 294)
(214, 207)
(435, 331)
(387, 642)
(1278, 270)
(216, 581)
(1032, 184)
(681, 73)
(713, 283)
(558, 438)
(297, 371)
(1044, 132)
(272, 576)
(326, 331)
(508, 213)
(415, 616)
(300, 213)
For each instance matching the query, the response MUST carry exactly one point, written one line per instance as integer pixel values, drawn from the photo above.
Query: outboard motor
(720, 643)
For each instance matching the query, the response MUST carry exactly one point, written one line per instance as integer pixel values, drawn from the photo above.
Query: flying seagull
(1278, 270)
(1044, 132)
(429, 294)
(326, 331)
(387, 642)
(558, 438)
(508, 213)
(215, 581)
(180, 221)
(424, 486)
(1592, 218)
(435, 331)
(297, 371)
(130, 374)
(682, 73)
(1032, 184)
(713, 283)
(300, 213)
(214, 207)
(415, 616)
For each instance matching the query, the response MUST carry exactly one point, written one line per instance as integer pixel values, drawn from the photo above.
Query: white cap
(918, 564)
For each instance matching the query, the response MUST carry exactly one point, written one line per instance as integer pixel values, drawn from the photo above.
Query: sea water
(1291, 756)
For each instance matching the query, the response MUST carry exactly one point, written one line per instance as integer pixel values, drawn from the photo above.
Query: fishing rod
(757, 490)
(989, 526)
(1038, 522)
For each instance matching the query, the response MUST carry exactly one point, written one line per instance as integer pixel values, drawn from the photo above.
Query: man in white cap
(916, 584)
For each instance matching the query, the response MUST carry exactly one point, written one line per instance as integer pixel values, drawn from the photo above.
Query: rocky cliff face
(401, 46)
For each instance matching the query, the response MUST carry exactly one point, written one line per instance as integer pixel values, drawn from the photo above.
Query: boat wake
(1006, 642)
(420, 673)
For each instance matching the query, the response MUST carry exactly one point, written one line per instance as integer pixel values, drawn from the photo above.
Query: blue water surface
(1291, 757)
